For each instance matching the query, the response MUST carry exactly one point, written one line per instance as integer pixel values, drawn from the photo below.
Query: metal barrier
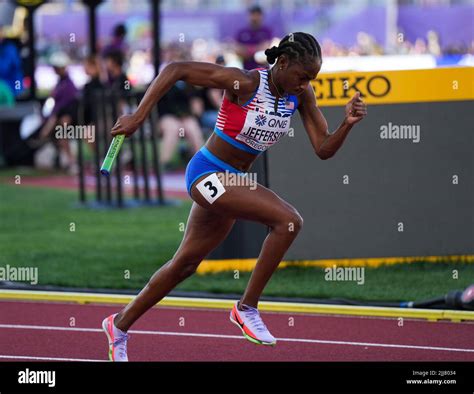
(109, 191)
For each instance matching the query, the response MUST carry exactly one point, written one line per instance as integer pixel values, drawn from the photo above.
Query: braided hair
(300, 47)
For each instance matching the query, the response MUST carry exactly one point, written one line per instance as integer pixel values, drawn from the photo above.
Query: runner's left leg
(205, 230)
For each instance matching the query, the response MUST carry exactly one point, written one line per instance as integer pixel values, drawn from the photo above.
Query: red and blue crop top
(254, 127)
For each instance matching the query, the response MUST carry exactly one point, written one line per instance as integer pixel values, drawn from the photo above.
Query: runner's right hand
(126, 124)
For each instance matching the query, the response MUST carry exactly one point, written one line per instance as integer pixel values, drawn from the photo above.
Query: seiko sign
(327, 88)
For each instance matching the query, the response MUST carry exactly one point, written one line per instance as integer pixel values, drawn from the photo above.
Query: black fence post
(136, 189)
(133, 163)
(105, 116)
(97, 148)
(144, 160)
(115, 102)
(155, 158)
(80, 159)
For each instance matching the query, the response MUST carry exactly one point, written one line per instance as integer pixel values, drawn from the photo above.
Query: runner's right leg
(262, 205)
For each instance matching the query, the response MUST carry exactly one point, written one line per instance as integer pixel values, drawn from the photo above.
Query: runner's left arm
(326, 144)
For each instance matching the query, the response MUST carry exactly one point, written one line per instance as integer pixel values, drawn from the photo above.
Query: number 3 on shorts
(211, 188)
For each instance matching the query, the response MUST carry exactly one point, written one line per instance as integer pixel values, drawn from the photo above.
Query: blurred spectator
(366, 45)
(117, 81)
(117, 43)
(174, 52)
(177, 110)
(207, 104)
(255, 37)
(64, 112)
(433, 43)
(118, 88)
(419, 48)
(10, 65)
(177, 120)
(92, 69)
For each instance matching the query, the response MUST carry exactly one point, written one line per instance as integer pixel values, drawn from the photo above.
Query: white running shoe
(251, 324)
(117, 340)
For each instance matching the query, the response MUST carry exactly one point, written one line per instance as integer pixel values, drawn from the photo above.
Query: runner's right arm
(236, 81)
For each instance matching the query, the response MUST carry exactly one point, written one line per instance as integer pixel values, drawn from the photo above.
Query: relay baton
(112, 153)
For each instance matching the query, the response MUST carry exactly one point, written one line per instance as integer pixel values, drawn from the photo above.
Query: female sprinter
(255, 113)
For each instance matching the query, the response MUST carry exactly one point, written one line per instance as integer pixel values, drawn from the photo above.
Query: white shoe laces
(255, 319)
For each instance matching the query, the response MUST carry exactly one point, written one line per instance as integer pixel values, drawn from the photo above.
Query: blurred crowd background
(204, 29)
(406, 33)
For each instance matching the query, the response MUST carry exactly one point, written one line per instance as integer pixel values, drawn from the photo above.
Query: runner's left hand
(355, 109)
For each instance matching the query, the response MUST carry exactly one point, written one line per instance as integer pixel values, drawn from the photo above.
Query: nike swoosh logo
(237, 320)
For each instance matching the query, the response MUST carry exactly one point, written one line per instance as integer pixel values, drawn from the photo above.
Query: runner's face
(297, 76)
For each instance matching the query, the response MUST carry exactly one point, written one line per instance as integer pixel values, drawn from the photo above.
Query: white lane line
(48, 358)
(222, 336)
(50, 328)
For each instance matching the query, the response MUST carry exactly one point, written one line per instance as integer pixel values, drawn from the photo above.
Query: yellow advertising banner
(388, 87)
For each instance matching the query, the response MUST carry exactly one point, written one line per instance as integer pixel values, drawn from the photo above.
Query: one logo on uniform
(260, 120)
(289, 105)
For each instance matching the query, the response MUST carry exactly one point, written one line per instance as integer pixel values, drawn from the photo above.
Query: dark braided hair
(300, 47)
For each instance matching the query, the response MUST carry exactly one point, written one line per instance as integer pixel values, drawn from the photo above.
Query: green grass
(389, 283)
(9, 174)
(35, 231)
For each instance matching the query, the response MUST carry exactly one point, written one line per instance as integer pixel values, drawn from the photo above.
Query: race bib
(261, 131)
(211, 188)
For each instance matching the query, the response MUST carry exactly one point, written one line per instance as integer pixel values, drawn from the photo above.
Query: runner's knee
(290, 222)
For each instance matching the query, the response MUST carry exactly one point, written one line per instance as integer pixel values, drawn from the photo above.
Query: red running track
(173, 183)
(62, 331)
